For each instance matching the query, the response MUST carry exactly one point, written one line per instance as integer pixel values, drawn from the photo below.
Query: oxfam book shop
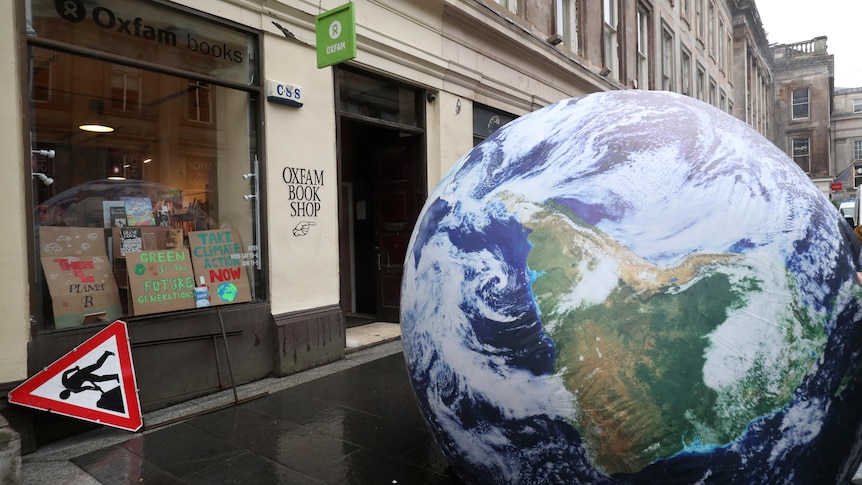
(144, 158)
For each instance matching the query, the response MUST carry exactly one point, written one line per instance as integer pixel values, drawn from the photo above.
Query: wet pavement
(358, 424)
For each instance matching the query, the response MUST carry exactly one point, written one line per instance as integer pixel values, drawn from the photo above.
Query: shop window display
(138, 190)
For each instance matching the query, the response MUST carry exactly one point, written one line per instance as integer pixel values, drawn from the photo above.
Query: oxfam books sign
(150, 32)
(336, 35)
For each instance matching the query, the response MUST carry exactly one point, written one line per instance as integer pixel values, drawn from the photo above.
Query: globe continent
(634, 287)
(227, 292)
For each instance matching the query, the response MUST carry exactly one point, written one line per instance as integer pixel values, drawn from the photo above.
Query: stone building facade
(803, 85)
(847, 141)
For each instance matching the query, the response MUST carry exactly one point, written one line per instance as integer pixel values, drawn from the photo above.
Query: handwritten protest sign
(160, 281)
(219, 260)
(79, 275)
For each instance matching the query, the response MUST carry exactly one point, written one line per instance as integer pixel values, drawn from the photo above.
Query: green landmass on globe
(635, 360)
(227, 292)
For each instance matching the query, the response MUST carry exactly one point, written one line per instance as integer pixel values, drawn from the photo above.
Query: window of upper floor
(685, 11)
(802, 152)
(667, 59)
(713, 92)
(722, 47)
(610, 44)
(510, 5)
(566, 20)
(700, 21)
(685, 70)
(857, 105)
(642, 74)
(710, 21)
(800, 104)
(857, 150)
(729, 61)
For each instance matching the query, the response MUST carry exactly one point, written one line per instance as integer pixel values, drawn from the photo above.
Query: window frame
(685, 12)
(668, 77)
(130, 153)
(642, 75)
(806, 155)
(710, 28)
(610, 36)
(700, 82)
(857, 105)
(857, 150)
(567, 22)
(126, 73)
(685, 70)
(510, 5)
(794, 103)
(713, 92)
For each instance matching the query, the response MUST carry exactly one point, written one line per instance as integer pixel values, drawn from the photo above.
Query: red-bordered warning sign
(94, 382)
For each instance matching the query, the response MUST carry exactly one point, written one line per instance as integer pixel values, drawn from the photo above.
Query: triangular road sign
(94, 382)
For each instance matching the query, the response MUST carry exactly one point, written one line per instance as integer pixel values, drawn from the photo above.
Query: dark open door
(396, 207)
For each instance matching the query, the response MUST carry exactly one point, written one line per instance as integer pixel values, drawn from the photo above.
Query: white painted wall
(14, 306)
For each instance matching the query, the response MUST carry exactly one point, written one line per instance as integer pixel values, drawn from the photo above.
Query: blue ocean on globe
(635, 287)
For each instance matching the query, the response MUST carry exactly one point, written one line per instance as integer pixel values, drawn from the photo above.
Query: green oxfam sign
(336, 35)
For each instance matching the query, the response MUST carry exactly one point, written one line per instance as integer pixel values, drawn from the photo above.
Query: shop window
(802, 153)
(487, 120)
(377, 98)
(130, 220)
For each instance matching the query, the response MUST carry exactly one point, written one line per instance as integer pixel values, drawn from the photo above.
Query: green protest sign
(336, 35)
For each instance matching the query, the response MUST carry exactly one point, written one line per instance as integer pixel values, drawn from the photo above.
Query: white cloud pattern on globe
(634, 287)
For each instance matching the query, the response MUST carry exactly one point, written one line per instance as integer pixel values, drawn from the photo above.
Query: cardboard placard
(151, 238)
(218, 259)
(79, 275)
(161, 281)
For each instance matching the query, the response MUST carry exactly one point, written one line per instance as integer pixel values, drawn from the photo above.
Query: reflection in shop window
(174, 220)
(41, 87)
(199, 101)
(125, 88)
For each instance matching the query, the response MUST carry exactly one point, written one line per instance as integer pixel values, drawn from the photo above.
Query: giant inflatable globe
(635, 287)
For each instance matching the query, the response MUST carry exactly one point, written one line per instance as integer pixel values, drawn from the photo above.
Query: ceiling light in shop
(96, 128)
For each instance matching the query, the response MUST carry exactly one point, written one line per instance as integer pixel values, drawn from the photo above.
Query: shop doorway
(382, 176)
